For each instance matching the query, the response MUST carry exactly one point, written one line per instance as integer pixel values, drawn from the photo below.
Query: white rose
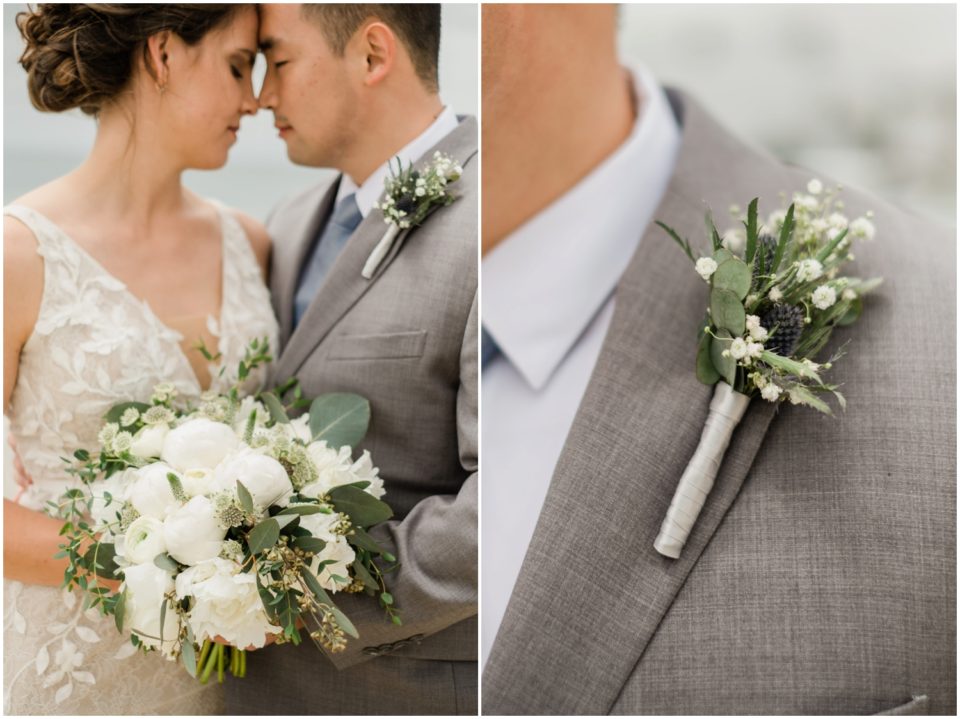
(143, 540)
(342, 555)
(146, 585)
(226, 603)
(198, 443)
(148, 442)
(192, 534)
(151, 494)
(263, 476)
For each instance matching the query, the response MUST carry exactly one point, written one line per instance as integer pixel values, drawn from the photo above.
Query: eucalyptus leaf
(363, 509)
(361, 539)
(726, 311)
(340, 419)
(301, 509)
(264, 535)
(364, 576)
(246, 500)
(733, 275)
(189, 657)
(310, 544)
(722, 255)
(163, 616)
(706, 372)
(726, 367)
(275, 407)
(101, 558)
(119, 609)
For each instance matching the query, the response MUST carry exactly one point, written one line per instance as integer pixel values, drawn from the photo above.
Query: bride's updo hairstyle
(84, 55)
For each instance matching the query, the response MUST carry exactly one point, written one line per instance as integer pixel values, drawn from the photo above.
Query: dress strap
(43, 230)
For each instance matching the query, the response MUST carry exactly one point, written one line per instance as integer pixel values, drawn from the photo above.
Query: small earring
(160, 88)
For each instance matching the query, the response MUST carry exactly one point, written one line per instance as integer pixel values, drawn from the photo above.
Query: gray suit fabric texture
(407, 341)
(820, 577)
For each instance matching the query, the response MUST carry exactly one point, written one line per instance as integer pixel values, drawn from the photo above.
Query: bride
(112, 273)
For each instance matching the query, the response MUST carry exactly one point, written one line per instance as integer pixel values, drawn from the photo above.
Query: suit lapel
(344, 285)
(592, 589)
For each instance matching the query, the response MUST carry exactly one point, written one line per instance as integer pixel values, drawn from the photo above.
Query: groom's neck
(395, 125)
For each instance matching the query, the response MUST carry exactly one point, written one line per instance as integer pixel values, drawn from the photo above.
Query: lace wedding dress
(95, 344)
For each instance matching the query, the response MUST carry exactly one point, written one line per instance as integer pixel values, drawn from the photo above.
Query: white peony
(198, 443)
(192, 533)
(364, 471)
(151, 494)
(148, 442)
(227, 604)
(262, 475)
(333, 468)
(146, 584)
(143, 541)
(197, 481)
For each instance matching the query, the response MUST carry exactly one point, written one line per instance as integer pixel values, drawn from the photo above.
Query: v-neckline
(145, 304)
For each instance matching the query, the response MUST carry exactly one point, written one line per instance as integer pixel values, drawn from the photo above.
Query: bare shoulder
(22, 280)
(258, 237)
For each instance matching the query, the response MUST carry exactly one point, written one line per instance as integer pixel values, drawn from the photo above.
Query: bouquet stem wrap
(726, 410)
(380, 251)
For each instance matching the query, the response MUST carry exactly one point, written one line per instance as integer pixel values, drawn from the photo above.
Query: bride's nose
(249, 105)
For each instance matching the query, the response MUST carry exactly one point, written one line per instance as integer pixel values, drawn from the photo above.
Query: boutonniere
(411, 195)
(776, 295)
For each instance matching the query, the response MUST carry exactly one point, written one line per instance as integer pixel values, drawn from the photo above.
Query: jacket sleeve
(435, 585)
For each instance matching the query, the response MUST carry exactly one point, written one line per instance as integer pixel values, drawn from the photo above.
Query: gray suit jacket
(406, 340)
(820, 577)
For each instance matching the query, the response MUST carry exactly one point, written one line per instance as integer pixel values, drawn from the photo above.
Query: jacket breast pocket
(393, 345)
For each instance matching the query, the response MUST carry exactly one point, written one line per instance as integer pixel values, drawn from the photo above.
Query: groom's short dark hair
(417, 26)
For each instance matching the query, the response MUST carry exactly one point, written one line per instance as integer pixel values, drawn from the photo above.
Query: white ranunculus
(343, 555)
(118, 486)
(192, 533)
(227, 604)
(151, 494)
(262, 475)
(364, 471)
(146, 584)
(198, 444)
(148, 442)
(143, 540)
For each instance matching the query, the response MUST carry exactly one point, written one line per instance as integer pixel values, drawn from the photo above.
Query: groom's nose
(268, 95)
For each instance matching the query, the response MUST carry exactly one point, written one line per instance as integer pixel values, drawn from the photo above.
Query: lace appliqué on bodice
(96, 344)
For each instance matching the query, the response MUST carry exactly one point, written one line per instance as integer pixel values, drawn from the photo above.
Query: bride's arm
(30, 539)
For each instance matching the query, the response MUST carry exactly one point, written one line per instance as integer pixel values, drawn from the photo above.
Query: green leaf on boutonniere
(722, 255)
(733, 275)
(726, 311)
(798, 369)
(801, 395)
(725, 366)
(752, 230)
(706, 371)
(852, 314)
(785, 231)
(341, 419)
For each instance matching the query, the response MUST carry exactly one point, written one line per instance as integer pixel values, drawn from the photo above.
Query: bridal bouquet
(776, 295)
(227, 522)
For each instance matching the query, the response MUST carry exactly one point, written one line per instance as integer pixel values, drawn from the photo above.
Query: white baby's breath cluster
(179, 496)
(411, 193)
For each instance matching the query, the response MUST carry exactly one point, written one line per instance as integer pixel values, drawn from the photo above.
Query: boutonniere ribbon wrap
(410, 196)
(776, 295)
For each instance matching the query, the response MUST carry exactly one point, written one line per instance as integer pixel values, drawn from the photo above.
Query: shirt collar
(369, 192)
(544, 283)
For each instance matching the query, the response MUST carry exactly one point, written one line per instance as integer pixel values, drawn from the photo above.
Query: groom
(353, 87)
(820, 577)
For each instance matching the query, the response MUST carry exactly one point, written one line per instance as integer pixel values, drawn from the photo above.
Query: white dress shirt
(369, 192)
(547, 301)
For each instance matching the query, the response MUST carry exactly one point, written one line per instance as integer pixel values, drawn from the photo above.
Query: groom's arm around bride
(405, 339)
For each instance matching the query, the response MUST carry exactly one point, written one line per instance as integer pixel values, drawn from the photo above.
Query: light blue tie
(335, 234)
(488, 348)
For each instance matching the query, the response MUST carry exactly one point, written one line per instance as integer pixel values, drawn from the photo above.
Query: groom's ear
(379, 47)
